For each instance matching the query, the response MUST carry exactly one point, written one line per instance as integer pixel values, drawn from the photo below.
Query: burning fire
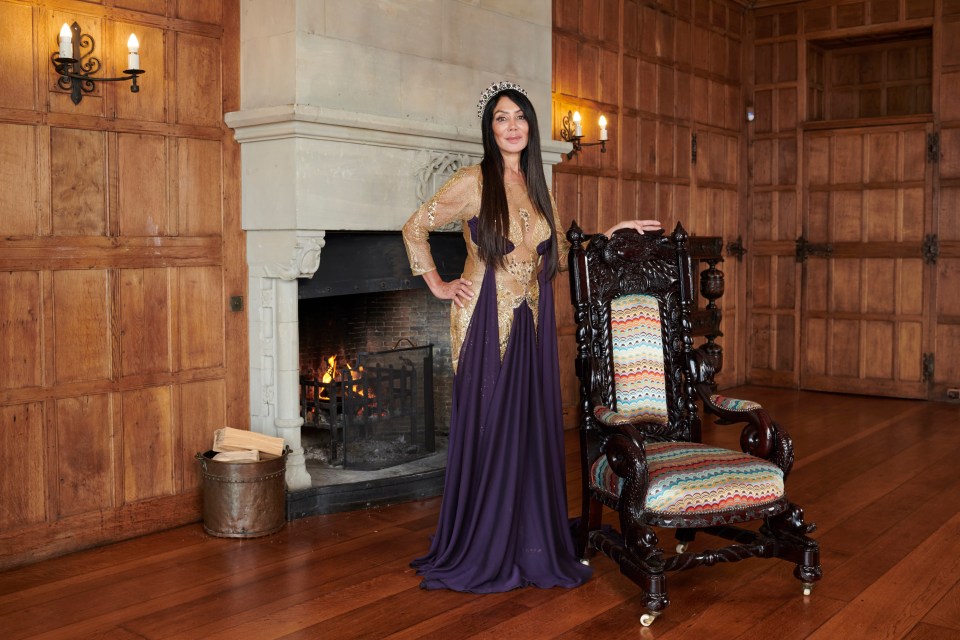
(333, 373)
(331, 370)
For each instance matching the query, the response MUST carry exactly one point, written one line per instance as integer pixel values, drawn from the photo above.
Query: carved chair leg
(642, 541)
(590, 516)
(791, 531)
(684, 538)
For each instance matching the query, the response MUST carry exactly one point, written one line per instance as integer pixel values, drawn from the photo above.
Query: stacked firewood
(237, 445)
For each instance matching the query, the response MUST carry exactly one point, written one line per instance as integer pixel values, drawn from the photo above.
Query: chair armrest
(607, 417)
(613, 423)
(628, 459)
(761, 436)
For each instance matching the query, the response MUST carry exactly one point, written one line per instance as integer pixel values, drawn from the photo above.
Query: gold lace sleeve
(457, 199)
(563, 245)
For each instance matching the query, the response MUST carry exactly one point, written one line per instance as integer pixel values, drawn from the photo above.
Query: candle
(66, 41)
(603, 128)
(133, 60)
(577, 129)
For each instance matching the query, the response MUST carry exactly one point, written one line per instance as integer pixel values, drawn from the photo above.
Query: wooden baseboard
(47, 540)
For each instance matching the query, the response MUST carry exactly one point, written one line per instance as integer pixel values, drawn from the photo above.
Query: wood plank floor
(879, 476)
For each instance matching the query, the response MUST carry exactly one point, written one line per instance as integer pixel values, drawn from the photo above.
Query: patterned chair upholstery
(640, 381)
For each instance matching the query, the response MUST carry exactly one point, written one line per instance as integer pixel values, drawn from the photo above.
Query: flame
(331, 370)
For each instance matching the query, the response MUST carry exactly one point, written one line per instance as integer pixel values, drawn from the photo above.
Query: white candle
(133, 60)
(577, 129)
(603, 128)
(66, 41)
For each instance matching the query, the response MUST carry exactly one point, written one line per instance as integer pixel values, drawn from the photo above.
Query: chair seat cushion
(692, 478)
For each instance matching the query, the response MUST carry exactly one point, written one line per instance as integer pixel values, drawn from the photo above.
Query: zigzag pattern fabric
(638, 371)
(693, 478)
(734, 404)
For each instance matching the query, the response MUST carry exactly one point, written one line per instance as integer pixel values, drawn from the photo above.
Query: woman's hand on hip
(459, 290)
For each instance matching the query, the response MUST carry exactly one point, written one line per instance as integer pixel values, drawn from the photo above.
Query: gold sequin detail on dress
(459, 199)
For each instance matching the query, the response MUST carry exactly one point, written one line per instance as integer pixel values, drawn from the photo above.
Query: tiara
(493, 90)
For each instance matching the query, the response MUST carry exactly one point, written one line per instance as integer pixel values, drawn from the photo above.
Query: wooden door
(866, 288)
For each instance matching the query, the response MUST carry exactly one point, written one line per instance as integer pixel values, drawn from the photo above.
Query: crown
(493, 90)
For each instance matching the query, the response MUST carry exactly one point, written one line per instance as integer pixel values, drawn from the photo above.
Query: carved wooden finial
(575, 235)
(679, 234)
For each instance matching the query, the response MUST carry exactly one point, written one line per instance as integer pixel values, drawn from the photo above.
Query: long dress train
(503, 520)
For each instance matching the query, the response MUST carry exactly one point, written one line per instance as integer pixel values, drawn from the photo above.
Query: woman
(503, 520)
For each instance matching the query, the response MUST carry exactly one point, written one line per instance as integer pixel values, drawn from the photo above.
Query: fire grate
(379, 414)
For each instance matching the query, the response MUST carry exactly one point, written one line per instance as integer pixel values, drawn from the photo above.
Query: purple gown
(503, 521)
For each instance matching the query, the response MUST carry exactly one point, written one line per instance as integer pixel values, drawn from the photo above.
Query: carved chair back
(632, 303)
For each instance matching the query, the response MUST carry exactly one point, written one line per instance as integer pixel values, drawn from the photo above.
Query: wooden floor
(879, 476)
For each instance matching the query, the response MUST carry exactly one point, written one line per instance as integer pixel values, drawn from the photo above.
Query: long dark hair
(494, 223)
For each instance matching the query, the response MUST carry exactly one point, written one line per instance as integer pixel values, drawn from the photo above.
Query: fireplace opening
(376, 372)
(378, 414)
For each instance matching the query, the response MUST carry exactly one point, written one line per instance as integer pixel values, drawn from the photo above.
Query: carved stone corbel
(436, 167)
(303, 263)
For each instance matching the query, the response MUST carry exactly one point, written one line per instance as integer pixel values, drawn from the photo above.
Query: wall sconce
(75, 67)
(751, 114)
(572, 132)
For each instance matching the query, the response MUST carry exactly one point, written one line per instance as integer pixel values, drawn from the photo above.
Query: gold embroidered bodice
(516, 283)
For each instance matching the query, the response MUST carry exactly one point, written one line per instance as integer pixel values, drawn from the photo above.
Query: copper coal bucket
(243, 499)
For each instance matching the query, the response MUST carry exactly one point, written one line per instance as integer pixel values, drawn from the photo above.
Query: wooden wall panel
(145, 6)
(142, 185)
(201, 413)
(200, 307)
(82, 331)
(198, 80)
(148, 436)
(20, 330)
(16, 52)
(200, 10)
(18, 166)
(145, 321)
(679, 74)
(84, 461)
(150, 103)
(120, 237)
(22, 483)
(78, 174)
(788, 82)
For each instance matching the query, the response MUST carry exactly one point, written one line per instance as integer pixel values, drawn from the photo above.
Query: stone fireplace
(351, 115)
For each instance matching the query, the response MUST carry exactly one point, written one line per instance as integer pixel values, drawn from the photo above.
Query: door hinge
(805, 248)
(933, 147)
(926, 366)
(931, 248)
(693, 148)
(736, 248)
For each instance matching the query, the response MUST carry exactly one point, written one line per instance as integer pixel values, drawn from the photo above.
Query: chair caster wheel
(648, 618)
(585, 562)
(682, 547)
(807, 588)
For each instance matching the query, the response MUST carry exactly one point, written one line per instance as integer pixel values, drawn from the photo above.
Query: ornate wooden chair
(641, 455)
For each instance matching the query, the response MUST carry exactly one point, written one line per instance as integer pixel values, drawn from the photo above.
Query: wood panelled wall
(867, 317)
(661, 72)
(120, 244)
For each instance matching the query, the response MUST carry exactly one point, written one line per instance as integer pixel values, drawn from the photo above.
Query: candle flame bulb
(133, 60)
(577, 129)
(603, 128)
(66, 41)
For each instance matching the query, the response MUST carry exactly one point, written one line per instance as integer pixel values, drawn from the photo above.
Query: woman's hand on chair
(638, 225)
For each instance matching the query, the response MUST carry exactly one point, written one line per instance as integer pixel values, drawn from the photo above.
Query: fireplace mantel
(356, 143)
